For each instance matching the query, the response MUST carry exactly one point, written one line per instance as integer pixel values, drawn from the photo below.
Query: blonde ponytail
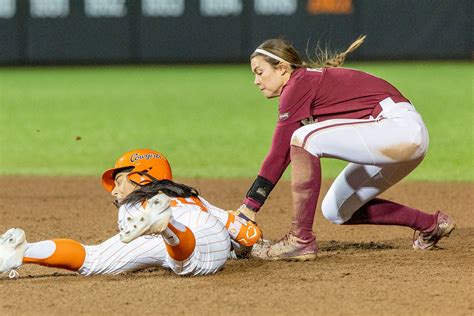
(325, 58)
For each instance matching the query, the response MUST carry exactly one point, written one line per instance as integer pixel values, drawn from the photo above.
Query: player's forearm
(272, 168)
(179, 240)
(198, 251)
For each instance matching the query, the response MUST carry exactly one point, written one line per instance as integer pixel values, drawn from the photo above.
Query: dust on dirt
(359, 270)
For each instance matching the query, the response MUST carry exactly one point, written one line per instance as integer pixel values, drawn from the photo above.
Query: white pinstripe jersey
(205, 220)
(191, 211)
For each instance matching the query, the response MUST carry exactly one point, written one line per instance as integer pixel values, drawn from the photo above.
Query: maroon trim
(336, 125)
(376, 111)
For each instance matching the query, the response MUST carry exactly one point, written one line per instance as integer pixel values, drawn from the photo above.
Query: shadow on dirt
(334, 245)
(40, 276)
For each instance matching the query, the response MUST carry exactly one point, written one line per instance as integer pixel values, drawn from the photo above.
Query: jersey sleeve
(278, 158)
(295, 101)
(215, 211)
(210, 206)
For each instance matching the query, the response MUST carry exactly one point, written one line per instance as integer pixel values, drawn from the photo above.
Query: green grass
(210, 121)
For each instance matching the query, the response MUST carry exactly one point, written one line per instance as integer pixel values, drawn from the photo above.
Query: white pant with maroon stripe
(381, 152)
(211, 252)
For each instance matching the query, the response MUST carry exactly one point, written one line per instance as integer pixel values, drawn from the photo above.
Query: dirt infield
(360, 269)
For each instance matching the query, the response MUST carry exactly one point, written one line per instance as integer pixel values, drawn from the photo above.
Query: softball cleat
(289, 248)
(154, 219)
(12, 249)
(442, 228)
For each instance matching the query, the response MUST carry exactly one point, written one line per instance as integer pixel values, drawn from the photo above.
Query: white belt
(389, 106)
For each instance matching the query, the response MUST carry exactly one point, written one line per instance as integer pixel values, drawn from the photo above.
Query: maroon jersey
(323, 93)
(329, 93)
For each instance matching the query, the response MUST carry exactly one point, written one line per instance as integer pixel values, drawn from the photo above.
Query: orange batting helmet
(145, 165)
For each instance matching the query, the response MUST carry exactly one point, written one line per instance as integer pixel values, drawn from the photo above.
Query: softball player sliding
(340, 113)
(161, 222)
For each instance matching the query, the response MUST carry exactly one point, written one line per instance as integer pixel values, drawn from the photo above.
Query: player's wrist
(258, 193)
(251, 204)
(248, 213)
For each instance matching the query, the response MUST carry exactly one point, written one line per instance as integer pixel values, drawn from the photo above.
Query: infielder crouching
(162, 223)
(327, 111)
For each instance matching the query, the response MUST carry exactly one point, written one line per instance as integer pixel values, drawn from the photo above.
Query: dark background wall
(180, 31)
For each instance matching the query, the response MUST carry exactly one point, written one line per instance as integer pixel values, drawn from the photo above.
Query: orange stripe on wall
(330, 7)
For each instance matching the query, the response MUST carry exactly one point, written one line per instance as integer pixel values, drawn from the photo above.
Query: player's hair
(319, 58)
(168, 187)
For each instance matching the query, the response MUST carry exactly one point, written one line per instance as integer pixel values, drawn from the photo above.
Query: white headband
(264, 52)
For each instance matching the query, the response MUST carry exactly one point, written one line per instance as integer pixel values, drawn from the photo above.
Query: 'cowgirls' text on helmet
(145, 165)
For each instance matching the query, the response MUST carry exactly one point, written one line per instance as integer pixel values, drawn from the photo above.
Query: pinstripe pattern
(219, 213)
(212, 244)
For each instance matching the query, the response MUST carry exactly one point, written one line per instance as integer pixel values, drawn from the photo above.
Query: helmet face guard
(145, 166)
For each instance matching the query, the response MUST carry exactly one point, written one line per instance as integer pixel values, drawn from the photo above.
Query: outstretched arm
(276, 162)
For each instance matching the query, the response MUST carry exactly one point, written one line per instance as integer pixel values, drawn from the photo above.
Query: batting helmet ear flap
(141, 177)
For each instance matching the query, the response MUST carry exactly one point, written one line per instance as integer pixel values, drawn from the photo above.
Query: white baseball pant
(381, 151)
